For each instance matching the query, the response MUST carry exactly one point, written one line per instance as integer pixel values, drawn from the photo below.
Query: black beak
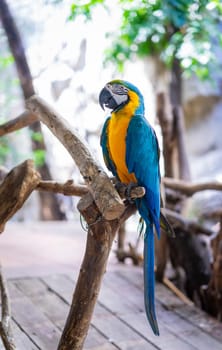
(106, 99)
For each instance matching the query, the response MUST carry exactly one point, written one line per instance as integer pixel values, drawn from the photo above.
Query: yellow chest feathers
(117, 133)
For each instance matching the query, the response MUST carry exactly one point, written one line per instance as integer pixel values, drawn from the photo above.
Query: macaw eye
(121, 90)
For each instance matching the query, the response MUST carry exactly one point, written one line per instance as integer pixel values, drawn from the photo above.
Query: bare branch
(213, 214)
(105, 196)
(3, 172)
(190, 188)
(70, 189)
(20, 122)
(5, 324)
(15, 189)
(178, 220)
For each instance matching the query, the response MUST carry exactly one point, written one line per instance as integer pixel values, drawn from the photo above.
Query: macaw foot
(128, 190)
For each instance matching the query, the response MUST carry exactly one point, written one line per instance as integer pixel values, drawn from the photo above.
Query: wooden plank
(21, 340)
(192, 314)
(137, 320)
(190, 333)
(121, 286)
(197, 338)
(166, 341)
(202, 320)
(50, 304)
(118, 322)
(105, 322)
(94, 340)
(120, 334)
(62, 285)
(34, 323)
(117, 295)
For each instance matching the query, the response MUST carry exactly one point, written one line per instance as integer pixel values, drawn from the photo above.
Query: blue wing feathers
(142, 158)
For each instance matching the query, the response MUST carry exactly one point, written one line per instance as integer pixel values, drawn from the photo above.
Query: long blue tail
(149, 278)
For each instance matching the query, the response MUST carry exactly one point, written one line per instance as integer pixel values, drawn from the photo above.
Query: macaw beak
(107, 99)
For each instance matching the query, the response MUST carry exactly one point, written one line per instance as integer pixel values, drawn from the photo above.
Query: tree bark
(5, 323)
(49, 208)
(15, 189)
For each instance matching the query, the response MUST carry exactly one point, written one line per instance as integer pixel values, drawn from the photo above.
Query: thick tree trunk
(49, 204)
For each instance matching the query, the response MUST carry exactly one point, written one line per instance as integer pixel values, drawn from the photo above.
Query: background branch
(189, 188)
(178, 220)
(70, 189)
(5, 324)
(20, 122)
(15, 189)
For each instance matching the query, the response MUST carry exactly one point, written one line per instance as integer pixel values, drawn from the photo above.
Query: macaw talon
(128, 190)
(118, 185)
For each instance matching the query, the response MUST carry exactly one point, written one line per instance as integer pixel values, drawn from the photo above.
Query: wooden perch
(189, 188)
(70, 189)
(15, 189)
(23, 120)
(5, 324)
(99, 242)
(104, 194)
(3, 172)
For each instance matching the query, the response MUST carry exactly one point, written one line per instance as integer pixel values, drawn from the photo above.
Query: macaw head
(118, 93)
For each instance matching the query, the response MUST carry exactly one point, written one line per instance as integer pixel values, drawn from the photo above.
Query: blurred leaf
(37, 136)
(39, 157)
(6, 61)
(4, 149)
(84, 8)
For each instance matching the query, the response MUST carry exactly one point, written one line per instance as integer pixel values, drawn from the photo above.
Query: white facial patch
(120, 99)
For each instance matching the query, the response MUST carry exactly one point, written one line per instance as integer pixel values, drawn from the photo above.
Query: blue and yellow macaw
(131, 153)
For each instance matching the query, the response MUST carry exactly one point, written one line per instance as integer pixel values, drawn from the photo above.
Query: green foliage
(39, 157)
(84, 8)
(4, 149)
(37, 136)
(169, 29)
(6, 61)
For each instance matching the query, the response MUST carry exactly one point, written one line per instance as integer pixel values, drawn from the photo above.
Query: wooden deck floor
(40, 306)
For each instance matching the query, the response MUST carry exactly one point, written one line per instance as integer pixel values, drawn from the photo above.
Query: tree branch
(100, 237)
(178, 220)
(5, 324)
(20, 122)
(70, 189)
(15, 189)
(188, 188)
(104, 194)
